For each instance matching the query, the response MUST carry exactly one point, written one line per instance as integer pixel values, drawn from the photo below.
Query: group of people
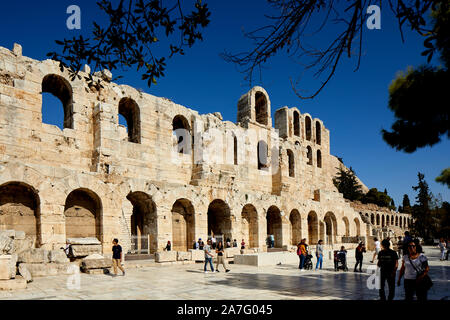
(209, 256)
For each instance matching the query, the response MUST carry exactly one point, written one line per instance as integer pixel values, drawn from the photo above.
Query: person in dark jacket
(388, 263)
(359, 251)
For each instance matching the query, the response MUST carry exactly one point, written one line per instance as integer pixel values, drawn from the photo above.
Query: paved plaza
(187, 282)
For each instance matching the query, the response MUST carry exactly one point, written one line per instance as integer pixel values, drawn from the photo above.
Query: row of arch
(83, 212)
(388, 220)
(308, 128)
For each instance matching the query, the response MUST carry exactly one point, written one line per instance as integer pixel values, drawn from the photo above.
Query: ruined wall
(140, 182)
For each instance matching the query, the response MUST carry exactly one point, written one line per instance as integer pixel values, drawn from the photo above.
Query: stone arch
(262, 151)
(219, 219)
(235, 150)
(396, 221)
(330, 227)
(383, 224)
(313, 227)
(357, 227)
(318, 132)
(249, 220)
(274, 225)
(83, 214)
(308, 131)
(378, 219)
(183, 225)
(291, 162)
(319, 159)
(309, 155)
(392, 220)
(296, 121)
(182, 132)
(296, 227)
(20, 209)
(129, 109)
(372, 219)
(347, 226)
(400, 224)
(61, 89)
(261, 108)
(144, 219)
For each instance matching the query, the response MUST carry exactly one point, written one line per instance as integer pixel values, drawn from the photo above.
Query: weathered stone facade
(96, 178)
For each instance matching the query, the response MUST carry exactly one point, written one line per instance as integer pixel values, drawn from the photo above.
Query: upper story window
(261, 111)
(309, 155)
(308, 128)
(61, 89)
(182, 132)
(129, 110)
(318, 133)
(296, 124)
(319, 159)
(290, 155)
(262, 151)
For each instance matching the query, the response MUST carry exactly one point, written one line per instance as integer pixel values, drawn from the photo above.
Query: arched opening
(313, 228)
(308, 128)
(274, 225)
(330, 228)
(261, 108)
(392, 221)
(61, 89)
(183, 225)
(290, 155)
(143, 221)
(382, 221)
(129, 110)
(219, 219)
(182, 132)
(396, 221)
(262, 150)
(83, 214)
(296, 227)
(401, 222)
(347, 226)
(319, 159)
(404, 222)
(296, 124)
(318, 133)
(358, 227)
(372, 219)
(235, 150)
(20, 210)
(309, 155)
(249, 218)
(378, 219)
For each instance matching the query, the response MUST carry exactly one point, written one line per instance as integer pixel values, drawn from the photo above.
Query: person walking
(399, 247)
(377, 249)
(301, 252)
(359, 251)
(208, 256)
(388, 264)
(442, 247)
(117, 257)
(415, 269)
(220, 257)
(319, 254)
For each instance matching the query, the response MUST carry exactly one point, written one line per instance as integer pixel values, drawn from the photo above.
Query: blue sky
(353, 106)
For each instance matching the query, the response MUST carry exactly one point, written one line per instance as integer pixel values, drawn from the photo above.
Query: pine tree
(421, 211)
(347, 184)
(406, 204)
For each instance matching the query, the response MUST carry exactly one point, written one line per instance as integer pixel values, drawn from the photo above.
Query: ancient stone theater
(170, 174)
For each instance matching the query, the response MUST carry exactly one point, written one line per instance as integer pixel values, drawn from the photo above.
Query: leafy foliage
(347, 184)
(379, 198)
(444, 178)
(421, 211)
(131, 36)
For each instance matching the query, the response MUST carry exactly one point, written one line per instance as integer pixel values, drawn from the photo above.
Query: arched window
(290, 155)
(261, 108)
(129, 110)
(318, 132)
(319, 159)
(235, 149)
(309, 155)
(296, 124)
(262, 151)
(182, 131)
(308, 128)
(61, 89)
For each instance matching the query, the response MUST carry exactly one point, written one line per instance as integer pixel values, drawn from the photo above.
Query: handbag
(425, 283)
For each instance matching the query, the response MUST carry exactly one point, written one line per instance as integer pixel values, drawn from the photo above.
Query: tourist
(220, 258)
(235, 244)
(359, 255)
(399, 247)
(406, 239)
(301, 252)
(377, 249)
(228, 243)
(442, 247)
(319, 254)
(272, 241)
(208, 256)
(195, 245)
(117, 257)
(168, 246)
(242, 244)
(213, 242)
(388, 263)
(201, 244)
(415, 269)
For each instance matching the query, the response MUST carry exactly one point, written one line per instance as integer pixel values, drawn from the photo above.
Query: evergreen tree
(421, 211)
(347, 184)
(406, 204)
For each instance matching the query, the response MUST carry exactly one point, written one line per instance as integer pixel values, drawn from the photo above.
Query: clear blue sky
(353, 106)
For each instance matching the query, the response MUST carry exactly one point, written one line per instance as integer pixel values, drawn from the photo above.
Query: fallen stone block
(24, 272)
(34, 255)
(82, 241)
(66, 268)
(98, 271)
(184, 256)
(197, 255)
(21, 245)
(13, 284)
(19, 235)
(41, 269)
(96, 264)
(57, 256)
(6, 244)
(166, 256)
(5, 267)
(8, 233)
(231, 252)
(94, 257)
(79, 250)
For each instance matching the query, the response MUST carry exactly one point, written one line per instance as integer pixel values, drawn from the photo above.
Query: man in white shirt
(377, 249)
